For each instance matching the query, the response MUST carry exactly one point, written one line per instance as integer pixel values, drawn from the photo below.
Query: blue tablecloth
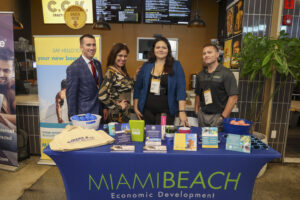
(97, 173)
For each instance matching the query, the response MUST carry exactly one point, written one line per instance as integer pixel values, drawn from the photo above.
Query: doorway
(292, 150)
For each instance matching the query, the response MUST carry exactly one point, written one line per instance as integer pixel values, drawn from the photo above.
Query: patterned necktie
(94, 72)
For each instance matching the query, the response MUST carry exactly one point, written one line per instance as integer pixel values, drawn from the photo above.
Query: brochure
(122, 134)
(185, 142)
(122, 128)
(209, 137)
(153, 135)
(241, 143)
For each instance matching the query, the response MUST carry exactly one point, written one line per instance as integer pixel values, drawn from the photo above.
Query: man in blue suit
(84, 76)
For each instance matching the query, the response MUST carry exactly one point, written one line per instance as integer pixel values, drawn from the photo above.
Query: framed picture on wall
(236, 48)
(238, 17)
(227, 53)
(229, 21)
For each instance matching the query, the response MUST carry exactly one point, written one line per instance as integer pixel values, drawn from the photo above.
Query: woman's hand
(136, 110)
(138, 113)
(182, 115)
(183, 119)
(123, 104)
(136, 73)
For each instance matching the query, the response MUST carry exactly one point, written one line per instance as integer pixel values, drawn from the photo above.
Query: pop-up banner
(53, 55)
(8, 134)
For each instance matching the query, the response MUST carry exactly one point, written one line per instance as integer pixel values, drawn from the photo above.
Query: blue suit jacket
(176, 86)
(82, 90)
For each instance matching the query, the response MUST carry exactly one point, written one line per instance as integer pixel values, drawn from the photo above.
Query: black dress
(157, 104)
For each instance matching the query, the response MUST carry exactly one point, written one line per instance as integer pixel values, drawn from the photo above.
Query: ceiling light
(101, 24)
(197, 21)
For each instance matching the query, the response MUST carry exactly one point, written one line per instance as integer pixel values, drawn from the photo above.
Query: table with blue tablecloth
(97, 173)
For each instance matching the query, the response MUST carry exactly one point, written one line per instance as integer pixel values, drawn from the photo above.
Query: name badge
(208, 97)
(155, 86)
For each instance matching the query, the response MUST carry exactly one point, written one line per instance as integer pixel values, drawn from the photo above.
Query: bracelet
(181, 111)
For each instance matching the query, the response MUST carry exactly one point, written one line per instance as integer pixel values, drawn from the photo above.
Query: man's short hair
(86, 36)
(6, 54)
(63, 84)
(211, 45)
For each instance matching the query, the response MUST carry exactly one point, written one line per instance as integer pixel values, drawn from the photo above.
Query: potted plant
(263, 56)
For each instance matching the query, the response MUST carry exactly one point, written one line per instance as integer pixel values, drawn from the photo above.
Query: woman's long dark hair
(113, 54)
(168, 67)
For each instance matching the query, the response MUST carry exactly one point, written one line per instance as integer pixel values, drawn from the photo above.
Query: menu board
(119, 11)
(167, 11)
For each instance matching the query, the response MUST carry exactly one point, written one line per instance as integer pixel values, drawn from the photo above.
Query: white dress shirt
(89, 64)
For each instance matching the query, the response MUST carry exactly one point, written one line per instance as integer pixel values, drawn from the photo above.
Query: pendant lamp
(196, 21)
(101, 24)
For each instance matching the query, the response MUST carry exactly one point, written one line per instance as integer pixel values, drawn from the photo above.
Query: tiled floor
(40, 182)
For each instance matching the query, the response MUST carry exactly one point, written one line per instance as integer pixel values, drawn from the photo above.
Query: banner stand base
(46, 162)
(8, 167)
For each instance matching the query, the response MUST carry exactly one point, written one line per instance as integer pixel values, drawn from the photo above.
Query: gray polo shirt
(222, 84)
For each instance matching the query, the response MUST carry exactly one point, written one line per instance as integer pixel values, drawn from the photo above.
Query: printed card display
(122, 134)
(155, 149)
(153, 135)
(185, 142)
(122, 148)
(241, 143)
(209, 137)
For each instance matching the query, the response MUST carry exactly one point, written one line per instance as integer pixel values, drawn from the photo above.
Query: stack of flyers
(155, 149)
(122, 148)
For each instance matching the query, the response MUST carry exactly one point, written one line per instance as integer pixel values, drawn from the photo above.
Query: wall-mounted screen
(167, 11)
(144, 45)
(119, 11)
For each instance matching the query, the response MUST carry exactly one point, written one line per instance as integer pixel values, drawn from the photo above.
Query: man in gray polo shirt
(216, 90)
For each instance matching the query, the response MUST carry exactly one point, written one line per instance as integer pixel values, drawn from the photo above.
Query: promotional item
(169, 137)
(153, 135)
(122, 135)
(76, 137)
(111, 128)
(185, 142)
(163, 123)
(209, 137)
(8, 129)
(53, 54)
(241, 143)
(184, 130)
(137, 130)
(89, 121)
